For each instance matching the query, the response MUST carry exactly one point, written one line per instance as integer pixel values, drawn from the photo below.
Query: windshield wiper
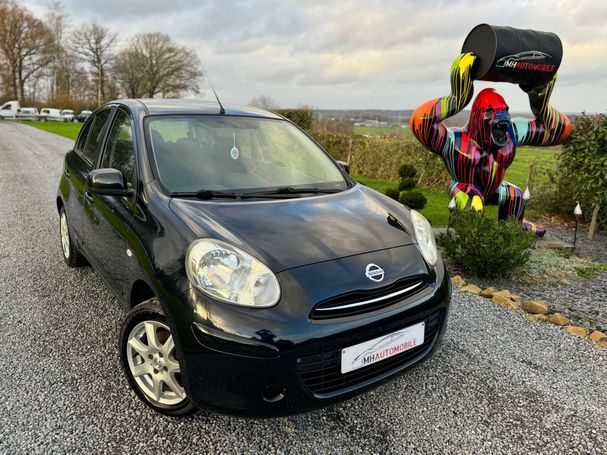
(207, 194)
(289, 191)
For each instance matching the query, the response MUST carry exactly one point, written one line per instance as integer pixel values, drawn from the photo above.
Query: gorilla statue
(478, 155)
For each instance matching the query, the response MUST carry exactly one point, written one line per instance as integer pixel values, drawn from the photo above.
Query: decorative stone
(603, 344)
(488, 292)
(502, 300)
(535, 306)
(517, 299)
(575, 330)
(505, 293)
(598, 336)
(559, 319)
(538, 317)
(473, 288)
(458, 280)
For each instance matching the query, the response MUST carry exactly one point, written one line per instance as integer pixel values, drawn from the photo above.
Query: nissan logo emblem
(374, 272)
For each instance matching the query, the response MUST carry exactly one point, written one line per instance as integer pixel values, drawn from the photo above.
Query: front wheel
(149, 359)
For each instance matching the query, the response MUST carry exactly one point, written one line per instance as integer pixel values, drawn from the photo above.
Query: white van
(28, 113)
(10, 109)
(49, 114)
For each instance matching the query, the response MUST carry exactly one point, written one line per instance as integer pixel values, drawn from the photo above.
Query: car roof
(164, 106)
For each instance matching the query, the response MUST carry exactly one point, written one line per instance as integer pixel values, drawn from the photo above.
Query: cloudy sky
(387, 54)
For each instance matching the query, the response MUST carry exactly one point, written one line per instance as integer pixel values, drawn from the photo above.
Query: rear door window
(95, 135)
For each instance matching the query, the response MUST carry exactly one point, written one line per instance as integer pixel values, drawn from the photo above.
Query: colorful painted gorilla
(478, 155)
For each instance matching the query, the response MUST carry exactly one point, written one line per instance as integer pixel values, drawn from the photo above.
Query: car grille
(360, 302)
(321, 373)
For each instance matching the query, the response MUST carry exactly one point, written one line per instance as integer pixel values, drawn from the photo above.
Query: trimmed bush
(407, 183)
(407, 171)
(413, 199)
(485, 246)
(393, 193)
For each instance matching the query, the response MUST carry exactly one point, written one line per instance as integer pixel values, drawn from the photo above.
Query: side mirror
(345, 166)
(109, 182)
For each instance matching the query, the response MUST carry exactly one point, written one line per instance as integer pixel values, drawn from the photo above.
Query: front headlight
(229, 274)
(425, 237)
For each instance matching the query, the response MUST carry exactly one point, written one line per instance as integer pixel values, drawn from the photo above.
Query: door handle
(88, 196)
(67, 173)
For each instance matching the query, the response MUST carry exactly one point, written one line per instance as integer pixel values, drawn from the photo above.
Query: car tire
(71, 255)
(152, 368)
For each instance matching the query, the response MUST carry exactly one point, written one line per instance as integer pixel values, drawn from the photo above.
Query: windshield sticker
(234, 153)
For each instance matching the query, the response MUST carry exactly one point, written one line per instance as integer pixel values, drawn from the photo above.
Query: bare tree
(264, 102)
(57, 21)
(152, 64)
(94, 45)
(25, 46)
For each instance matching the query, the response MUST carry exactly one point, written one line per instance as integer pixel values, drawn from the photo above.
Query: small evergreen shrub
(484, 246)
(413, 199)
(407, 183)
(393, 193)
(407, 171)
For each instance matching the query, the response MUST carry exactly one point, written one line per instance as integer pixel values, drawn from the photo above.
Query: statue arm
(549, 127)
(427, 120)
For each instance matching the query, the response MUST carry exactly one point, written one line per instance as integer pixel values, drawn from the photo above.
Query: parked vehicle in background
(81, 118)
(49, 114)
(67, 114)
(10, 109)
(28, 113)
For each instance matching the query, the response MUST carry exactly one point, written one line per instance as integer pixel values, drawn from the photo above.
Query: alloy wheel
(151, 357)
(65, 236)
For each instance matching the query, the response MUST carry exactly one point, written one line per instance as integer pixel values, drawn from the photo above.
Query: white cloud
(357, 54)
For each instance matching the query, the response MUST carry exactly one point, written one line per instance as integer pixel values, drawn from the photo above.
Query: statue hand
(462, 87)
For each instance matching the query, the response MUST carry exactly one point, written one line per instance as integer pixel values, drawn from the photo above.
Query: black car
(254, 270)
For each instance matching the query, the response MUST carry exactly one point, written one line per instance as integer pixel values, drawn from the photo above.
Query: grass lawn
(69, 130)
(436, 210)
(387, 131)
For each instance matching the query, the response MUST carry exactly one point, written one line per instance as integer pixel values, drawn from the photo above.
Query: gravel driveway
(501, 384)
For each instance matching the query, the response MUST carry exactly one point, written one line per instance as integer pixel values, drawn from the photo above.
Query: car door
(78, 164)
(107, 218)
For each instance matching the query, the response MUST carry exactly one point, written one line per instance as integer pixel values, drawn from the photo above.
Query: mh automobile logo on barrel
(524, 61)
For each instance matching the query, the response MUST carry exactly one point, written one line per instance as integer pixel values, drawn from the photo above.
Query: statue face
(500, 124)
(490, 124)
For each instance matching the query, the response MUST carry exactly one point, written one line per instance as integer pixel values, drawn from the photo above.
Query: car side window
(120, 148)
(95, 136)
(83, 136)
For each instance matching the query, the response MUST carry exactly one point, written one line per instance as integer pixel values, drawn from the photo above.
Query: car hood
(287, 233)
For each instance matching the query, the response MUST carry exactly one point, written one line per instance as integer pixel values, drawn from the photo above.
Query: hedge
(381, 157)
(302, 117)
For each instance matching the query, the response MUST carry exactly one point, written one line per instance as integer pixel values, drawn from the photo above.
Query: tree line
(49, 61)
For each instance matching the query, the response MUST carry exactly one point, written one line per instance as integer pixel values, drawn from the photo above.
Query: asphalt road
(501, 384)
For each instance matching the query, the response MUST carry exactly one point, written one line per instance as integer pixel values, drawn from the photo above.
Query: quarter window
(95, 136)
(120, 150)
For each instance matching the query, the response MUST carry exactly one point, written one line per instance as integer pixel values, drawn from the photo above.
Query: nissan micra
(259, 278)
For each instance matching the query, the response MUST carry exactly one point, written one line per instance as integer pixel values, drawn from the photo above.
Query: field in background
(438, 200)
(387, 131)
(69, 130)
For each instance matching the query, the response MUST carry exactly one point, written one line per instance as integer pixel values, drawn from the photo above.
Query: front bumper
(246, 362)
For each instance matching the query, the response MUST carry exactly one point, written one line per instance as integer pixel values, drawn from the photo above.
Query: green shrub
(407, 171)
(393, 193)
(304, 118)
(407, 183)
(583, 167)
(484, 246)
(413, 199)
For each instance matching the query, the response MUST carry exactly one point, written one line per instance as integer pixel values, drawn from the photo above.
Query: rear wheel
(71, 255)
(149, 359)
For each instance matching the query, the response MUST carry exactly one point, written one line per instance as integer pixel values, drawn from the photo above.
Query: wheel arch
(140, 292)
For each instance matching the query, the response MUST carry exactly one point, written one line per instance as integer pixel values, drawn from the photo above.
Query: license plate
(384, 347)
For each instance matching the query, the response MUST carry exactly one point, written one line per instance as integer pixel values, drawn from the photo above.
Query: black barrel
(507, 54)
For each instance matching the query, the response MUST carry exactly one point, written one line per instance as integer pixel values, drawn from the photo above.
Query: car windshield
(238, 154)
